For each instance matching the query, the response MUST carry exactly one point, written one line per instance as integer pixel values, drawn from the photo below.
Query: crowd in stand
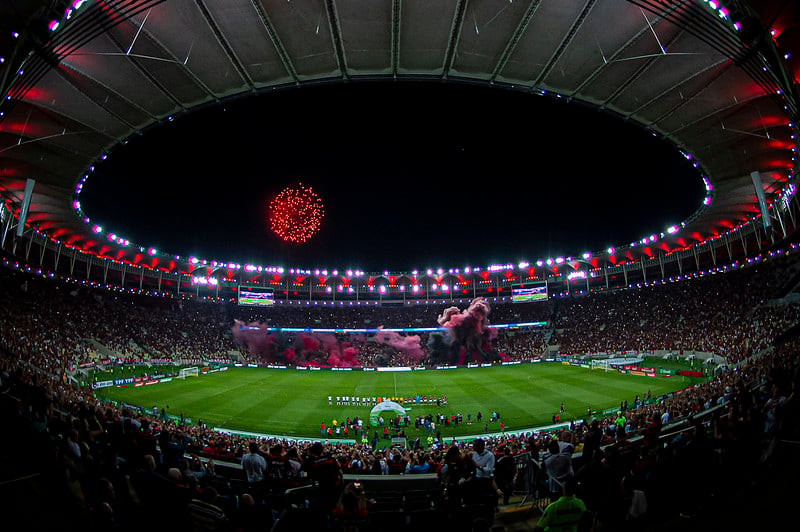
(729, 315)
(116, 465)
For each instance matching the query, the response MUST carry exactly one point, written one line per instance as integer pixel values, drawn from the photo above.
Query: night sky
(412, 175)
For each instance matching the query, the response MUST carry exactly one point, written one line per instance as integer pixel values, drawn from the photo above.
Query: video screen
(527, 295)
(254, 296)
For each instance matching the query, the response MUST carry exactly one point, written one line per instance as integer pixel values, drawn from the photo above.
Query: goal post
(189, 372)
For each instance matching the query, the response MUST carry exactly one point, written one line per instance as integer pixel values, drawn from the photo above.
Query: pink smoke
(476, 316)
(407, 345)
(309, 348)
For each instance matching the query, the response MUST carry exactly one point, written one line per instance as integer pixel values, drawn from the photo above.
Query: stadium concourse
(725, 445)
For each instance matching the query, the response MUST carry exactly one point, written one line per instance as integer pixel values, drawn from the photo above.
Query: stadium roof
(715, 78)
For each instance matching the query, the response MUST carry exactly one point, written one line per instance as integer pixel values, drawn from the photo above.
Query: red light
(296, 214)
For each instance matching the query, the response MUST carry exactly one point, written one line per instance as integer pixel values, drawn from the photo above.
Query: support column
(28, 246)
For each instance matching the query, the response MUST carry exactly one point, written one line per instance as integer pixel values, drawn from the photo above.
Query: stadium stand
(106, 466)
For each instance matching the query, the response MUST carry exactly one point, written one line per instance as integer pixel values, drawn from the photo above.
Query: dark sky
(412, 175)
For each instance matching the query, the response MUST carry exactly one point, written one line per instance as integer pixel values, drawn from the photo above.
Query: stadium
(651, 368)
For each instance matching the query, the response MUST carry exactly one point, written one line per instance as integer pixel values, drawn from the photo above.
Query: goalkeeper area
(294, 403)
(189, 372)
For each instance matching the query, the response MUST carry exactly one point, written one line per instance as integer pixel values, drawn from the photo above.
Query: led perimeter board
(527, 295)
(256, 296)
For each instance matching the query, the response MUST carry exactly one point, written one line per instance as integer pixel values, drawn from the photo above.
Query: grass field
(295, 403)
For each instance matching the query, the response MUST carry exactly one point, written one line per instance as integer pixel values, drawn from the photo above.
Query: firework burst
(296, 213)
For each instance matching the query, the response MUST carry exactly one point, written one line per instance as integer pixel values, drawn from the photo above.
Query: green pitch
(295, 403)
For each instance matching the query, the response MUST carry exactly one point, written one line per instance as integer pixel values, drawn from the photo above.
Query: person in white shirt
(484, 460)
(482, 484)
(254, 465)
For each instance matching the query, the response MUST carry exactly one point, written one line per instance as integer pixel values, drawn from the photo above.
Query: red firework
(296, 213)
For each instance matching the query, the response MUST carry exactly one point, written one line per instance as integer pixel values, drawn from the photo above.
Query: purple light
(53, 25)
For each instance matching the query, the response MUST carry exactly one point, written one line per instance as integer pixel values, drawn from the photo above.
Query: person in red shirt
(324, 471)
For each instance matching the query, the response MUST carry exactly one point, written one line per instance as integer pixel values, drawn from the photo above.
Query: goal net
(189, 372)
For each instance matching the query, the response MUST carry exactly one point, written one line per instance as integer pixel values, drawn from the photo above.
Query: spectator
(254, 465)
(558, 467)
(566, 514)
(204, 514)
(326, 474)
(506, 473)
